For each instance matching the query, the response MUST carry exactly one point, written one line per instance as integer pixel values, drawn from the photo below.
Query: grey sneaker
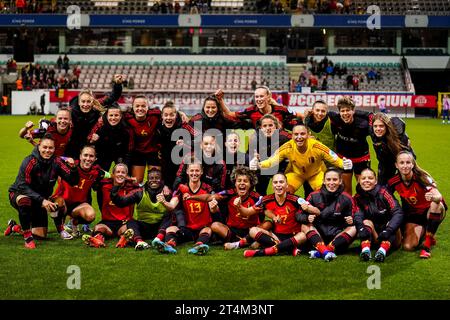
(65, 235)
(330, 256)
(142, 246)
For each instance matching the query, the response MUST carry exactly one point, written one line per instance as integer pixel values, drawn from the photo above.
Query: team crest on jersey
(333, 154)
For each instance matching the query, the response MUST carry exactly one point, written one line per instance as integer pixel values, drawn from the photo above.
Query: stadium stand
(388, 7)
(185, 76)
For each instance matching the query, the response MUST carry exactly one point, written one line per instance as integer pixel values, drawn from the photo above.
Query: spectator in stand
(355, 82)
(313, 82)
(20, 6)
(66, 63)
(330, 69)
(59, 63)
(371, 75)
(11, 66)
(253, 84)
(311, 6)
(324, 83)
(347, 4)
(177, 8)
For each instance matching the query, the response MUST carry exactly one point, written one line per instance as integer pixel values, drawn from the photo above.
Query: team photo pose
(242, 208)
(379, 217)
(152, 214)
(268, 138)
(351, 133)
(114, 217)
(85, 113)
(76, 201)
(281, 208)
(170, 121)
(319, 124)
(30, 193)
(263, 104)
(113, 138)
(214, 171)
(306, 157)
(233, 157)
(60, 128)
(197, 214)
(389, 138)
(211, 117)
(331, 211)
(143, 122)
(422, 203)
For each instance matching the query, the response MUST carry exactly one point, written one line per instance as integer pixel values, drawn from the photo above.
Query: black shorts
(188, 235)
(237, 234)
(143, 229)
(39, 216)
(420, 219)
(114, 225)
(358, 167)
(284, 236)
(142, 159)
(328, 232)
(71, 207)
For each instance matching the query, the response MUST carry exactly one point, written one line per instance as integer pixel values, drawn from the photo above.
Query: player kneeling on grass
(197, 214)
(30, 193)
(153, 216)
(76, 201)
(114, 218)
(282, 208)
(422, 203)
(379, 217)
(242, 204)
(330, 211)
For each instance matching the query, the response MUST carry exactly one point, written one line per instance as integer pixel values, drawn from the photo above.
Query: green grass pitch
(112, 273)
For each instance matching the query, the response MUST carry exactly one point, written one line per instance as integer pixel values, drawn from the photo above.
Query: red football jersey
(61, 140)
(235, 220)
(413, 196)
(197, 213)
(286, 211)
(144, 131)
(280, 112)
(82, 191)
(109, 210)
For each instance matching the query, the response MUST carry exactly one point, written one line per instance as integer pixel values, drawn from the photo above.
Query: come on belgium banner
(238, 100)
(365, 100)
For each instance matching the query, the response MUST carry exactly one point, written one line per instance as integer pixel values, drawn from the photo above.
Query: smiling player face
(194, 172)
(332, 181)
(261, 98)
(405, 164)
(46, 148)
(168, 117)
(379, 128)
(346, 114)
(87, 158)
(367, 180)
(300, 136)
(154, 180)
(120, 174)
(319, 111)
(242, 185)
(140, 108)
(85, 102)
(279, 184)
(62, 120)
